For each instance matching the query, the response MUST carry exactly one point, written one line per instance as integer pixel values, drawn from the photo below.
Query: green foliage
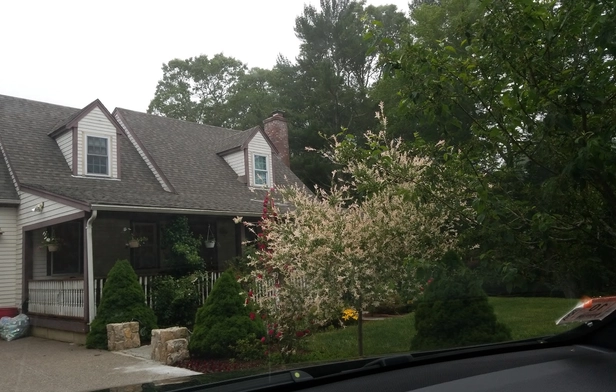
(249, 349)
(182, 247)
(454, 311)
(175, 300)
(222, 321)
(239, 265)
(123, 300)
(520, 92)
(212, 79)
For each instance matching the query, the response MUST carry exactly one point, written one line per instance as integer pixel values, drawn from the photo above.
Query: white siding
(143, 155)
(259, 146)
(8, 242)
(26, 217)
(97, 124)
(236, 161)
(80, 140)
(65, 142)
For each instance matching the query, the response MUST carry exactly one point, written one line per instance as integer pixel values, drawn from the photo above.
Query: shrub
(175, 301)
(249, 349)
(182, 248)
(123, 300)
(222, 321)
(454, 311)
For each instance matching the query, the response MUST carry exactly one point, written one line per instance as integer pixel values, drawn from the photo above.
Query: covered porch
(62, 286)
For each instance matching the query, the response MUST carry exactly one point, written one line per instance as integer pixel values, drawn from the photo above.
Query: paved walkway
(35, 364)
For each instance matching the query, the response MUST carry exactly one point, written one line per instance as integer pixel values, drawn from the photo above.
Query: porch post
(89, 270)
(26, 265)
(86, 273)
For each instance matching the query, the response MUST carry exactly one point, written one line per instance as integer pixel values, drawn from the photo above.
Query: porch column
(88, 270)
(26, 265)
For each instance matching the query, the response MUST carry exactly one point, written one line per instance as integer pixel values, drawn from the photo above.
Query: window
(68, 259)
(98, 155)
(260, 170)
(146, 255)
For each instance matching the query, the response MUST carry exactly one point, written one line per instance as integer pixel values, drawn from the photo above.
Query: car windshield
(300, 183)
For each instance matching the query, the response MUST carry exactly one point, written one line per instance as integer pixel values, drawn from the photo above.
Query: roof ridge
(180, 120)
(37, 101)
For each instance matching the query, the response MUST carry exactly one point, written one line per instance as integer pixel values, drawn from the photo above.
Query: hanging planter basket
(210, 241)
(133, 244)
(53, 248)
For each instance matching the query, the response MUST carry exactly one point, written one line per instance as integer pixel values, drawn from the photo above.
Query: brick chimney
(276, 129)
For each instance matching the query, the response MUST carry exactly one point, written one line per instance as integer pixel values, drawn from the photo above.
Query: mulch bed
(218, 365)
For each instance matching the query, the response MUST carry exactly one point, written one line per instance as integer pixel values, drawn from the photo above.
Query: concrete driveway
(35, 364)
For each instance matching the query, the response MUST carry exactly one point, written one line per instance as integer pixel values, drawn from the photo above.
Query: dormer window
(260, 170)
(97, 155)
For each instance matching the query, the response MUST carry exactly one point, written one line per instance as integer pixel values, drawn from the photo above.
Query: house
(85, 175)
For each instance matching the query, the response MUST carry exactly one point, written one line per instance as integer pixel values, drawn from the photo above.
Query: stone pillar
(123, 336)
(170, 345)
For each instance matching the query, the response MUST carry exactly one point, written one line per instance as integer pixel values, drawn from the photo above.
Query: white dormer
(249, 154)
(260, 162)
(89, 142)
(97, 146)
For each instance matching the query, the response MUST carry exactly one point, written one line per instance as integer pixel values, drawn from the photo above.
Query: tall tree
(198, 89)
(540, 77)
(334, 72)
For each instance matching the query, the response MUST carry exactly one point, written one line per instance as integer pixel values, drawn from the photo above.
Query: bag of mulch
(14, 328)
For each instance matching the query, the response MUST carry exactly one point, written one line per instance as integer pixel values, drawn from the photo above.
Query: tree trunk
(360, 330)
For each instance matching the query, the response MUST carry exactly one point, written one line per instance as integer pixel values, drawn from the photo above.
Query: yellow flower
(349, 314)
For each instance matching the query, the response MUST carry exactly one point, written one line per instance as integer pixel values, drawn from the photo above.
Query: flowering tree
(347, 246)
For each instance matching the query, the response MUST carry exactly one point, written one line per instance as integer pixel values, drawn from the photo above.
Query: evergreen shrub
(454, 311)
(123, 300)
(222, 321)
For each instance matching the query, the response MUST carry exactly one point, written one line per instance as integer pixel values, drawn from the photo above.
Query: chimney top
(276, 115)
(276, 129)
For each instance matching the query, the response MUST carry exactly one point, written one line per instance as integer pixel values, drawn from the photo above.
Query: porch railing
(56, 297)
(66, 297)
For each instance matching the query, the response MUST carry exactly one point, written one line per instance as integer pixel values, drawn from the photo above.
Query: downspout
(90, 266)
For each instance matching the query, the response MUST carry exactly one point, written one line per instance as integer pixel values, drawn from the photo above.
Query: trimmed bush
(223, 321)
(123, 300)
(454, 311)
(175, 300)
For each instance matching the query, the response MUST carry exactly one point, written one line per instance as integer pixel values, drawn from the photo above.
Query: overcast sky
(72, 52)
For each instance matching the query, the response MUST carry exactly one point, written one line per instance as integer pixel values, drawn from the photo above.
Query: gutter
(9, 201)
(90, 266)
(163, 210)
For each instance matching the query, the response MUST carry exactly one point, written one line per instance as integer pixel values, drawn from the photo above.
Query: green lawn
(526, 317)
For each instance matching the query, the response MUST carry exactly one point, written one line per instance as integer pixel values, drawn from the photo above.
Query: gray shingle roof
(7, 189)
(235, 140)
(185, 152)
